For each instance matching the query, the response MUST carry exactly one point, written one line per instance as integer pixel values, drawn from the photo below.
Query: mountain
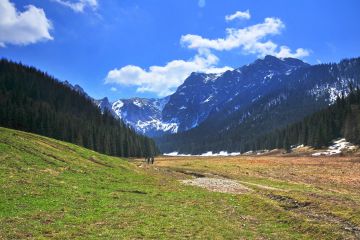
(76, 88)
(215, 112)
(268, 94)
(33, 101)
(144, 115)
(201, 94)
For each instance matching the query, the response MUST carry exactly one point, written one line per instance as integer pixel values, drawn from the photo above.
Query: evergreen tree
(33, 101)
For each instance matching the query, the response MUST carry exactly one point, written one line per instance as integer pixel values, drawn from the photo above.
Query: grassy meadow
(55, 190)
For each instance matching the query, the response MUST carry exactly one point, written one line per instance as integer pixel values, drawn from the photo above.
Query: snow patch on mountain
(212, 77)
(155, 124)
(277, 100)
(116, 107)
(331, 91)
(137, 103)
(144, 115)
(207, 99)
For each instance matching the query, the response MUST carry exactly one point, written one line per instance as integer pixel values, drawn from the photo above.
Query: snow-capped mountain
(144, 115)
(201, 93)
(268, 86)
(263, 103)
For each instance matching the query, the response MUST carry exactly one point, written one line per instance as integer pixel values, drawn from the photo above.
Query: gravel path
(218, 185)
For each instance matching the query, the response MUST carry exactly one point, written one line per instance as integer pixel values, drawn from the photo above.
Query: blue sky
(126, 48)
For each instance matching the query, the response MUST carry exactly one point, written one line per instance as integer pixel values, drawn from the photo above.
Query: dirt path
(262, 186)
(218, 185)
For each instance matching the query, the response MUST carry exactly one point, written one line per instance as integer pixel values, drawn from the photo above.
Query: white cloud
(163, 80)
(22, 28)
(286, 52)
(202, 3)
(252, 40)
(238, 15)
(113, 89)
(236, 37)
(80, 5)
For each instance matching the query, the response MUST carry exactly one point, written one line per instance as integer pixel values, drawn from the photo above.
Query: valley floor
(55, 190)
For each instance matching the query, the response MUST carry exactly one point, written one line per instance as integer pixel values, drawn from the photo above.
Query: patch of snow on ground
(176, 154)
(249, 153)
(336, 148)
(297, 146)
(207, 154)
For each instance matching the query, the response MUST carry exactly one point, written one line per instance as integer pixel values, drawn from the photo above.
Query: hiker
(152, 160)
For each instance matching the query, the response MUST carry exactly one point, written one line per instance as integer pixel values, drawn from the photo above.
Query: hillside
(340, 120)
(55, 190)
(33, 101)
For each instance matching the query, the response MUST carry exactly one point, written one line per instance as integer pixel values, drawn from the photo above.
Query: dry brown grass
(321, 171)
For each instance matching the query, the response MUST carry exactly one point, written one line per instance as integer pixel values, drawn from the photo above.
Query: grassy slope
(52, 189)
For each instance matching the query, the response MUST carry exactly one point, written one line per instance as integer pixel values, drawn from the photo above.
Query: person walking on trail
(152, 160)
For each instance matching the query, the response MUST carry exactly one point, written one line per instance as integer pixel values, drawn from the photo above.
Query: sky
(146, 48)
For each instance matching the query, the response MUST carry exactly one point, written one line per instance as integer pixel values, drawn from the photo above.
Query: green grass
(57, 190)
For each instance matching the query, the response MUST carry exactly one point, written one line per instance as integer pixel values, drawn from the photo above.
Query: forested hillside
(33, 101)
(318, 130)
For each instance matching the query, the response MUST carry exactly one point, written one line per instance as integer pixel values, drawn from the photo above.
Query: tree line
(341, 119)
(33, 101)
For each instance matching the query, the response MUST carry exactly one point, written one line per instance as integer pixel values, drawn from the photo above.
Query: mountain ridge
(306, 90)
(198, 97)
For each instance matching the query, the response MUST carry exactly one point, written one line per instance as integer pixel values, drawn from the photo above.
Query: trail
(218, 185)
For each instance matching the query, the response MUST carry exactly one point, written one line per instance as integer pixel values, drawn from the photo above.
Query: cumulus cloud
(252, 40)
(113, 89)
(163, 80)
(80, 5)
(238, 15)
(22, 28)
